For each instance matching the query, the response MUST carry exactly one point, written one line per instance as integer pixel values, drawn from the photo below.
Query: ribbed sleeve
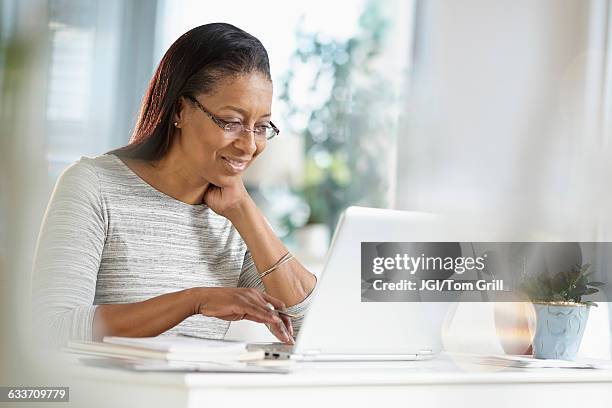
(68, 254)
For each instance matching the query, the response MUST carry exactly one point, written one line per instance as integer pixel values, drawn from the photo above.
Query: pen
(282, 312)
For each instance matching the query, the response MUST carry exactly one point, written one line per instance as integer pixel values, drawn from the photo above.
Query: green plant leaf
(559, 282)
(585, 269)
(569, 285)
(573, 275)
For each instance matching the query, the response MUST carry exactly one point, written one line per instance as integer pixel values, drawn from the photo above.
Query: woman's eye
(262, 128)
(233, 125)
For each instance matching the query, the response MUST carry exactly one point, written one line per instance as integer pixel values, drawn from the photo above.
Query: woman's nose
(246, 142)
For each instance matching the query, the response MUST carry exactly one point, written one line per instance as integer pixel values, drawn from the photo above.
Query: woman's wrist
(242, 213)
(195, 299)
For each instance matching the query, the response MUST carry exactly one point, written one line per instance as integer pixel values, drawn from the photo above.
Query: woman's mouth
(234, 164)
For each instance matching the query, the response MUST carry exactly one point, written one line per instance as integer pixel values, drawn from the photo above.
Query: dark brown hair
(191, 66)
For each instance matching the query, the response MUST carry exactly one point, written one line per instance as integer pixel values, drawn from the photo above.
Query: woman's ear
(179, 112)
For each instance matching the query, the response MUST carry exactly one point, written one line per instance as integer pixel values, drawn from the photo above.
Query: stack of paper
(182, 366)
(530, 362)
(525, 361)
(168, 353)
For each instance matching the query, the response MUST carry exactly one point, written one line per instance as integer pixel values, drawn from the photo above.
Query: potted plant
(561, 311)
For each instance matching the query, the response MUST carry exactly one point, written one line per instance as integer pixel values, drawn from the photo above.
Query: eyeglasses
(235, 129)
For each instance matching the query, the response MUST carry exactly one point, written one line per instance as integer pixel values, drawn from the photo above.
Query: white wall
(500, 117)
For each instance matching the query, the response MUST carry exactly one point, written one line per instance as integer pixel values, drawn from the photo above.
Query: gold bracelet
(286, 258)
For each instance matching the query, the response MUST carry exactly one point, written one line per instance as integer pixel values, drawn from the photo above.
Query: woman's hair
(194, 64)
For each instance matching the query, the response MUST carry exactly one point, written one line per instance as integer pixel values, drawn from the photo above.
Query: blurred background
(496, 111)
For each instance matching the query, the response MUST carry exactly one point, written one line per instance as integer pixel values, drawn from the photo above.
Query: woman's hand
(223, 200)
(245, 303)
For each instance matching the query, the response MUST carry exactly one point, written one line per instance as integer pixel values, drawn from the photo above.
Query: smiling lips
(237, 165)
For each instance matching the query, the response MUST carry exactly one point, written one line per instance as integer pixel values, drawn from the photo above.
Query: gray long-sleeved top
(109, 237)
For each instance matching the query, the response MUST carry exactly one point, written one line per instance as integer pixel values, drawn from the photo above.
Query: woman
(161, 236)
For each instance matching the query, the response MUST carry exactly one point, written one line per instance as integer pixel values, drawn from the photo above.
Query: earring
(175, 124)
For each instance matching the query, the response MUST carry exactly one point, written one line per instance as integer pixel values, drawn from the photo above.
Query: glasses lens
(270, 133)
(233, 129)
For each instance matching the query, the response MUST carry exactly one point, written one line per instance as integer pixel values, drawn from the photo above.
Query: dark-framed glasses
(234, 130)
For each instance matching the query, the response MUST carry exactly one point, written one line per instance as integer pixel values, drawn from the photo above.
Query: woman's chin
(224, 180)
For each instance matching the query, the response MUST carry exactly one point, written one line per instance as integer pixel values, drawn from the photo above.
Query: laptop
(339, 326)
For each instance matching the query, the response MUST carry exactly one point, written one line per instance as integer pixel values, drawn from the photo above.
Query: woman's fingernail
(288, 338)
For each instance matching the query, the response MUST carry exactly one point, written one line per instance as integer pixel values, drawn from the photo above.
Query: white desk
(436, 383)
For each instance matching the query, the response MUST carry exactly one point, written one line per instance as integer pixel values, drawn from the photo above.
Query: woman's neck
(171, 176)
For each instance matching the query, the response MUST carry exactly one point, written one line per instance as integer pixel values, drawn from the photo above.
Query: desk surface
(430, 383)
(438, 371)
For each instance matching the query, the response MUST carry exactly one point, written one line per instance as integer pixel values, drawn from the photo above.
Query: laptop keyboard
(273, 350)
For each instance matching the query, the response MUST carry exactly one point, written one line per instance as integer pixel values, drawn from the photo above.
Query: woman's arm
(291, 282)
(156, 315)
(142, 319)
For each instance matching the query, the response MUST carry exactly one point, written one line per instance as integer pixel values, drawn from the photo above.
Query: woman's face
(214, 156)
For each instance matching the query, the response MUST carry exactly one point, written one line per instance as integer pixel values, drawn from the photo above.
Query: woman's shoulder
(96, 164)
(94, 169)
(88, 173)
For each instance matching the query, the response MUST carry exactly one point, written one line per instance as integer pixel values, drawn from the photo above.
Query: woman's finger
(255, 297)
(274, 301)
(263, 313)
(279, 305)
(281, 333)
(287, 321)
